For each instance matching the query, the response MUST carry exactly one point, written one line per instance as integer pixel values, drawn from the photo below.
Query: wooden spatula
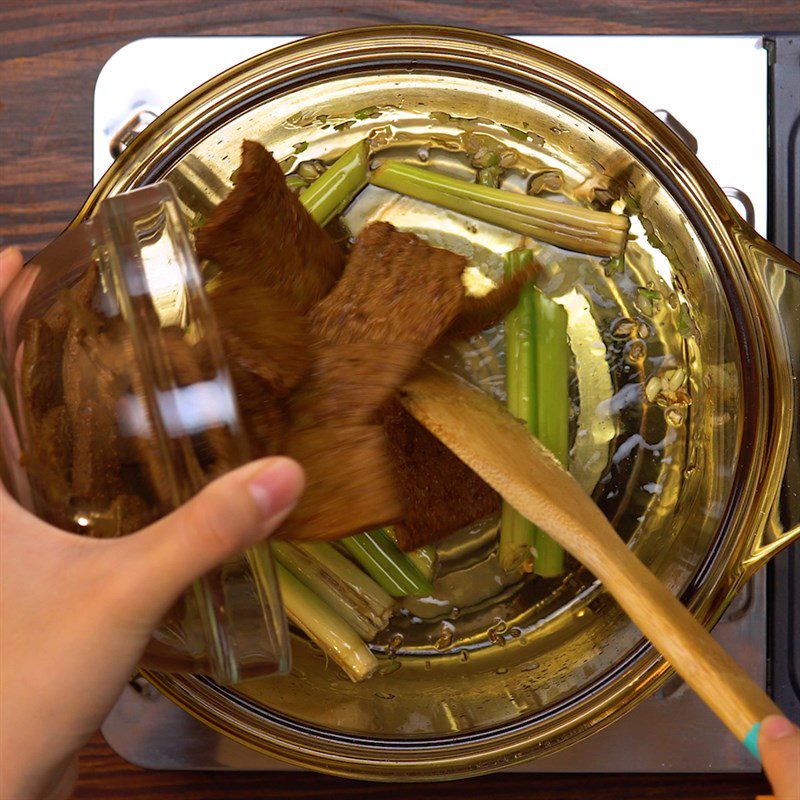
(487, 438)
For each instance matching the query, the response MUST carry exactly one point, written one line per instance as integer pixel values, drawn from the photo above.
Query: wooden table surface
(50, 55)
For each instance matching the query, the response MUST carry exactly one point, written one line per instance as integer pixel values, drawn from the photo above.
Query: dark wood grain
(50, 55)
(104, 776)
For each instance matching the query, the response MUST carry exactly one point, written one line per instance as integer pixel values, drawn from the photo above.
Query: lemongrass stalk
(565, 225)
(552, 408)
(387, 564)
(323, 626)
(424, 558)
(517, 534)
(296, 182)
(351, 573)
(338, 185)
(367, 620)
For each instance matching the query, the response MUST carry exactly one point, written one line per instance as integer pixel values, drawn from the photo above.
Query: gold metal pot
(727, 314)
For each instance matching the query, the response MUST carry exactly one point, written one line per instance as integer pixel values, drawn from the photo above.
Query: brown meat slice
(262, 413)
(395, 298)
(78, 296)
(261, 233)
(396, 289)
(41, 369)
(350, 486)
(261, 332)
(440, 493)
(95, 462)
(49, 464)
(480, 313)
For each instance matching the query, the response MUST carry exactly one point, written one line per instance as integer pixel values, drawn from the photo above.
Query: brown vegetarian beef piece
(395, 298)
(262, 332)
(95, 454)
(49, 465)
(440, 492)
(350, 484)
(78, 296)
(263, 414)
(41, 369)
(262, 233)
(90, 391)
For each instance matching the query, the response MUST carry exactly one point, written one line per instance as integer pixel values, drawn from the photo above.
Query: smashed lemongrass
(517, 534)
(387, 564)
(552, 363)
(424, 558)
(352, 605)
(325, 628)
(338, 185)
(569, 226)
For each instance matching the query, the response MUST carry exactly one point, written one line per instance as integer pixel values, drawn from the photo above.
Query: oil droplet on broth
(636, 351)
(675, 415)
(389, 668)
(446, 633)
(623, 328)
(395, 643)
(495, 633)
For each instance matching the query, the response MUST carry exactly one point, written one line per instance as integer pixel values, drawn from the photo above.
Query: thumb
(230, 514)
(779, 747)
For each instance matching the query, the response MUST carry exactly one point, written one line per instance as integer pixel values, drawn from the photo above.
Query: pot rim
(495, 57)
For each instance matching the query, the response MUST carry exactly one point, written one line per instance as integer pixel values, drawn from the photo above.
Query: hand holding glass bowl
(719, 478)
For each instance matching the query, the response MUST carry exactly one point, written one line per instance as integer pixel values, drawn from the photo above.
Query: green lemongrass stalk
(324, 627)
(296, 182)
(572, 227)
(338, 185)
(517, 534)
(387, 564)
(552, 408)
(366, 618)
(351, 573)
(424, 558)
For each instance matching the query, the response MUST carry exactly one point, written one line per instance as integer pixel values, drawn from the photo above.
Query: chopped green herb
(650, 294)
(518, 134)
(366, 113)
(685, 327)
(490, 176)
(300, 147)
(614, 266)
(343, 126)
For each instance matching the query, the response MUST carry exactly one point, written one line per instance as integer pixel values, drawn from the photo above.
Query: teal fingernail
(751, 740)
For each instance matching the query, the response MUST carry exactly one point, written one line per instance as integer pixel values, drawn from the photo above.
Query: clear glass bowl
(119, 407)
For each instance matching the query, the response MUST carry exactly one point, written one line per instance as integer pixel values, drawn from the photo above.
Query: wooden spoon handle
(487, 438)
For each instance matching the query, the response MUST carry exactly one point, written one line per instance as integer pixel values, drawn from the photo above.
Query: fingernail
(10, 252)
(774, 728)
(277, 486)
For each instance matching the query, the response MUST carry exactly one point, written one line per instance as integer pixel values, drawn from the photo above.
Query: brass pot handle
(778, 279)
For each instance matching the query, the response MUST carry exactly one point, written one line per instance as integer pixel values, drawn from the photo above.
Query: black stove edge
(784, 231)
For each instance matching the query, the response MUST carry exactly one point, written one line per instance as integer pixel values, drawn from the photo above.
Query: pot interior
(492, 650)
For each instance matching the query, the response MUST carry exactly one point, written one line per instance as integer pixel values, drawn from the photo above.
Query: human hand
(779, 746)
(77, 615)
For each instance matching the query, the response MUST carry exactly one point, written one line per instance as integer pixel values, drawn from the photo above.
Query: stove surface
(716, 87)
